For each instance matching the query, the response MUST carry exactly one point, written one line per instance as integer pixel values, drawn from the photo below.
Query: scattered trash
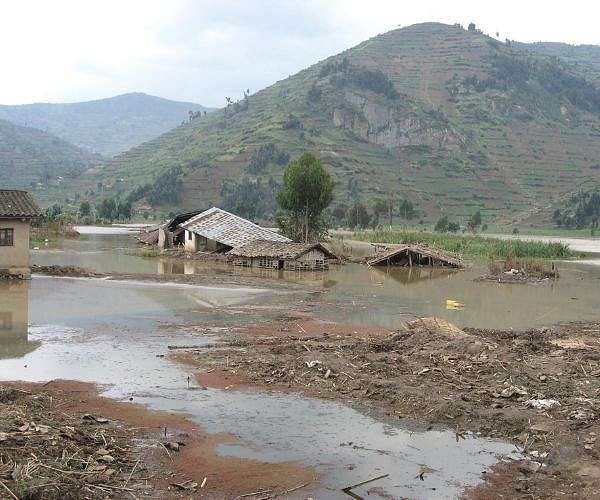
(186, 485)
(312, 364)
(92, 418)
(542, 404)
(512, 390)
(453, 304)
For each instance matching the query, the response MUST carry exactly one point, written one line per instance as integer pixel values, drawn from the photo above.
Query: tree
(306, 193)
(107, 210)
(85, 209)
(475, 221)
(358, 216)
(407, 209)
(472, 27)
(441, 226)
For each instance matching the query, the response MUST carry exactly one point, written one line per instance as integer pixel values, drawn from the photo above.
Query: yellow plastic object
(453, 304)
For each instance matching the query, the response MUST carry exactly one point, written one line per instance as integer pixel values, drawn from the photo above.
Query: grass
(472, 246)
(532, 267)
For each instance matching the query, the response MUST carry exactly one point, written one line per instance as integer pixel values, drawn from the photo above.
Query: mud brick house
(282, 255)
(216, 230)
(17, 209)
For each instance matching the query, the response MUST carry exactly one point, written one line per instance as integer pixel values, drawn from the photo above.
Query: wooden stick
(348, 489)
(8, 489)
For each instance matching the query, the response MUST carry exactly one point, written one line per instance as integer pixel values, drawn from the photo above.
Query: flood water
(93, 329)
(379, 296)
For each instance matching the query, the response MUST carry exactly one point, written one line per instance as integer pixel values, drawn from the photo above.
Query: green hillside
(34, 160)
(105, 126)
(451, 119)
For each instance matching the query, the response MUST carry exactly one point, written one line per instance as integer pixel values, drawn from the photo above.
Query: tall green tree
(307, 191)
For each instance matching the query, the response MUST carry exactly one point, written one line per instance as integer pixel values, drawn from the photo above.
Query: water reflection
(408, 275)
(14, 320)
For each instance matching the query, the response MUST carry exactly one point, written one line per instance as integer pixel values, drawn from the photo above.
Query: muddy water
(112, 333)
(385, 297)
(391, 296)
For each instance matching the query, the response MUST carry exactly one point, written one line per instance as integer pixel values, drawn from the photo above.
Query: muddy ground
(538, 388)
(62, 440)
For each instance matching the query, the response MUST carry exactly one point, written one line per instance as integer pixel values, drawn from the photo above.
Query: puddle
(111, 333)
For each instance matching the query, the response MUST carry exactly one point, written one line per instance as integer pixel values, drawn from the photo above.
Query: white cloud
(69, 50)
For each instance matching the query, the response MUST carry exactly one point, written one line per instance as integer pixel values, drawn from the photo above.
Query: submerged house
(282, 255)
(167, 234)
(17, 209)
(416, 255)
(216, 230)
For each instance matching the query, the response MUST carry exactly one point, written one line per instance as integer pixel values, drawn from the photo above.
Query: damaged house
(216, 230)
(416, 255)
(168, 234)
(282, 255)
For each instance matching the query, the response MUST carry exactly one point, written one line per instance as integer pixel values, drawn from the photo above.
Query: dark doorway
(280, 264)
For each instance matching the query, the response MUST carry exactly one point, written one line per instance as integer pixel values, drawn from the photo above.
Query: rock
(108, 459)
(171, 445)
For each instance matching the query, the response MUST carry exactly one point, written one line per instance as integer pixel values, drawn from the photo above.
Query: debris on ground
(45, 453)
(537, 388)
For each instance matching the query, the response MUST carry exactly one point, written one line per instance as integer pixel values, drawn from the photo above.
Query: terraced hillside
(34, 160)
(451, 119)
(105, 126)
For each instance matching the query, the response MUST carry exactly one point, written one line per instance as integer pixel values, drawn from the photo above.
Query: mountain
(585, 57)
(106, 126)
(449, 118)
(30, 158)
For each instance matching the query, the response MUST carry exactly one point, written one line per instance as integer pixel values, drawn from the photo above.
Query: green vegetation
(471, 246)
(264, 156)
(32, 159)
(343, 73)
(306, 193)
(250, 199)
(582, 210)
(450, 148)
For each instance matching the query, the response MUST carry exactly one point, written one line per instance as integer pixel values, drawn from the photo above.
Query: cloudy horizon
(201, 51)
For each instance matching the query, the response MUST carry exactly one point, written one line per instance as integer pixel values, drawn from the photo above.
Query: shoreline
(528, 388)
(160, 467)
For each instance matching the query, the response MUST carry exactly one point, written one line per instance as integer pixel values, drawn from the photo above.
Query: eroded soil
(536, 388)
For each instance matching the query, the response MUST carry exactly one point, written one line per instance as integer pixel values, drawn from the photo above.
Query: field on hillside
(450, 119)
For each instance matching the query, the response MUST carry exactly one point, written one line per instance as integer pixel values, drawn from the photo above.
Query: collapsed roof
(416, 255)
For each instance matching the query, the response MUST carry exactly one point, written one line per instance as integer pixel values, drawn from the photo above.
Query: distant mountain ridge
(105, 126)
(451, 119)
(29, 157)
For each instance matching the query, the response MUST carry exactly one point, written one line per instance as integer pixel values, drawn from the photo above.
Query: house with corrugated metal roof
(17, 209)
(216, 230)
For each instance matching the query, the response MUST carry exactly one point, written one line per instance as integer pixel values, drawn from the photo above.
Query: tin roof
(229, 229)
(277, 249)
(17, 204)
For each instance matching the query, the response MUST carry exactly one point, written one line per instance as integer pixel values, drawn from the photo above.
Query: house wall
(14, 260)
(313, 260)
(191, 241)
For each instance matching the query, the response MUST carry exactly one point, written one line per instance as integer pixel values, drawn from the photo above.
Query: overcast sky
(204, 50)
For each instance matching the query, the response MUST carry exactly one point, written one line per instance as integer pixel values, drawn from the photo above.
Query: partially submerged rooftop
(416, 255)
(278, 249)
(16, 204)
(229, 229)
